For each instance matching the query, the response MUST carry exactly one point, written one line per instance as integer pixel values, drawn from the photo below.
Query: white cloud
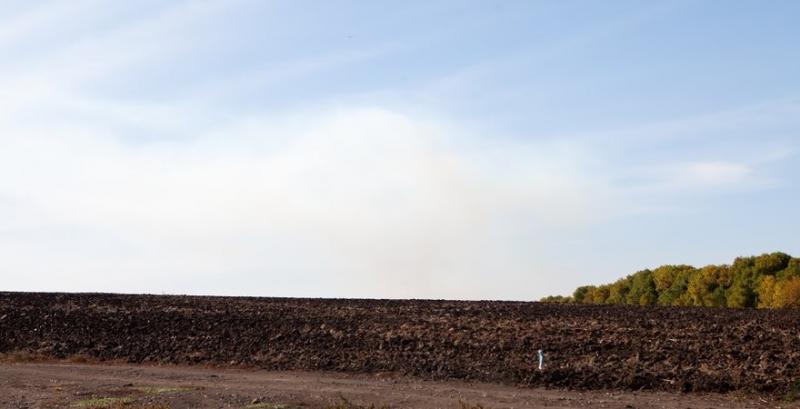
(362, 202)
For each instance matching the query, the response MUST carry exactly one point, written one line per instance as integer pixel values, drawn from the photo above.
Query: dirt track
(588, 347)
(34, 386)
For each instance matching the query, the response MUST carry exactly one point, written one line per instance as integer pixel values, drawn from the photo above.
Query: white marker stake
(541, 360)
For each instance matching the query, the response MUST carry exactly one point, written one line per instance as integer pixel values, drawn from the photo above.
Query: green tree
(706, 288)
(671, 283)
(745, 280)
(769, 264)
(556, 299)
(600, 294)
(580, 294)
(698, 293)
(792, 270)
(618, 293)
(741, 294)
(770, 280)
(643, 289)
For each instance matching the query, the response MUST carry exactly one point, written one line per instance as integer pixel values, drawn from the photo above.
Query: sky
(383, 149)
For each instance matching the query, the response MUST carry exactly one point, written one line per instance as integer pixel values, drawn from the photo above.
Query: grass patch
(149, 406)
(265, 405)
(157, 390)
(23, 356)
(129, 402)
(116, 403)
(343, 403)
(16, 357)
(794, 392)
(141, 406)
(102, 403)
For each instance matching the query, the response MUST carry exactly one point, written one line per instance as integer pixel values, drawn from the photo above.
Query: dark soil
(586, 347)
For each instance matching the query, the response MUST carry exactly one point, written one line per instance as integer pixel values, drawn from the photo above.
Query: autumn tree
(766, 292)
(787, 293)
(769, 264)
(618, 293)
(600, 294)
(671, 282)
(740, 295)
(792, 270)
(556, 299)
(770, 280)
(706, 287)
(582, 294)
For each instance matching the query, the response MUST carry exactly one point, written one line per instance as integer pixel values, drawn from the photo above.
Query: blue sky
(437, 149)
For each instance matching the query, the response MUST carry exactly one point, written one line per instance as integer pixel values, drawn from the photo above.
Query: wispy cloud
(707, 175)
(85, 59)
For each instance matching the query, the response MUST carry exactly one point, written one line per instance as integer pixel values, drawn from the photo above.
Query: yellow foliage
(787, 293)
(766, 281)
(697, 292)
(600, 294)
(766, 292)
(589, 297)
(663, 277)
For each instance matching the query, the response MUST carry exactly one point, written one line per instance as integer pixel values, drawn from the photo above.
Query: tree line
(765, 281)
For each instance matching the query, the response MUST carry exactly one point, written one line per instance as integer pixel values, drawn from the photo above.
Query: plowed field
(586, 347)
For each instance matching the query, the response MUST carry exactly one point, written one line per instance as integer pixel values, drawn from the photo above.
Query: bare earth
(62, 385)
(588, 347)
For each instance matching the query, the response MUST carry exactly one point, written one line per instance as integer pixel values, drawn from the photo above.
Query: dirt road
(52, 385)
